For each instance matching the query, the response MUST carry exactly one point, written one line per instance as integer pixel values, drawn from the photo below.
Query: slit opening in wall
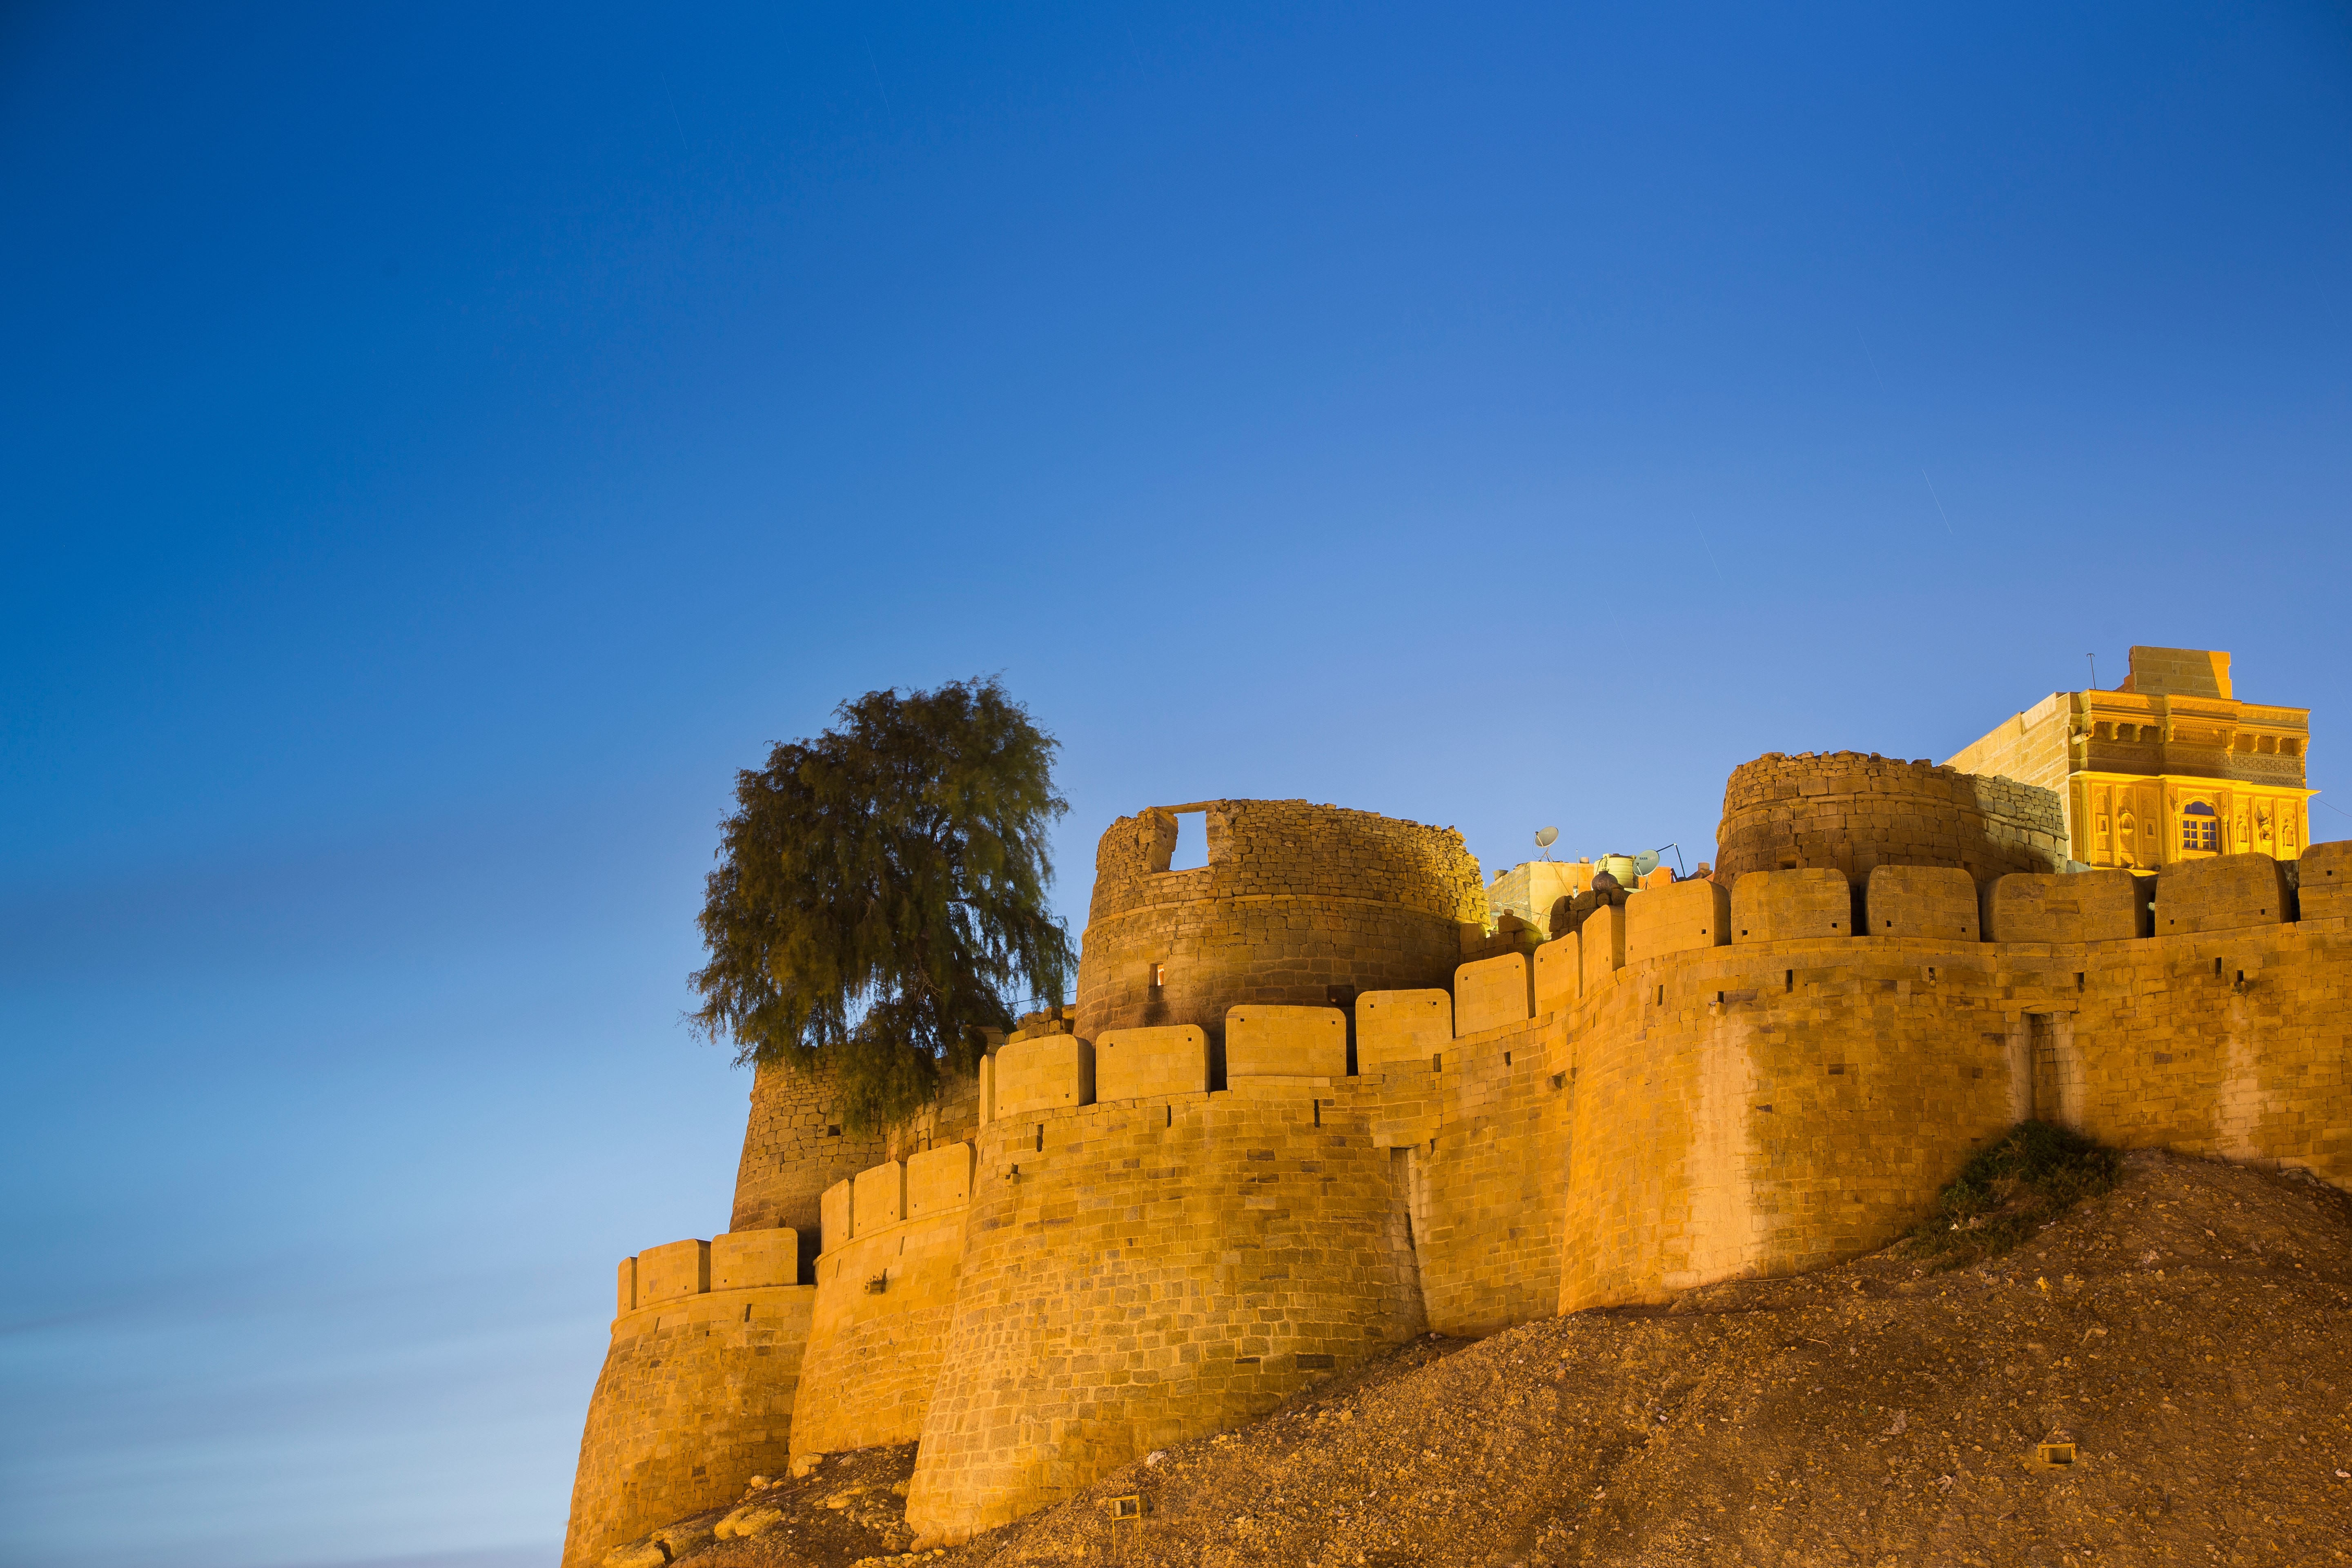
(1041, 1137)
(1789, 981)
(1343, 997)
(2217, 969)
(1191, 850)
(2078, 980)
(1319, 1111)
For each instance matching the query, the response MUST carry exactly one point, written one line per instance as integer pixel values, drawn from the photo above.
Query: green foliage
(2011, 1189)
(880, 896)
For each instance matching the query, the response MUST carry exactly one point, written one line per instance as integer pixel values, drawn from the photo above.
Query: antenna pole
(2095, 669)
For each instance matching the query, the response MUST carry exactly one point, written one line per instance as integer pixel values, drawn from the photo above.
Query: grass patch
(2007, 1192)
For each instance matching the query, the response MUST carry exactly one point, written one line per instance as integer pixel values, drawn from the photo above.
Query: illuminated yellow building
(2168, 766)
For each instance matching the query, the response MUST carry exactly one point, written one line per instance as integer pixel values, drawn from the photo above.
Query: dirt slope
(2191, 1331)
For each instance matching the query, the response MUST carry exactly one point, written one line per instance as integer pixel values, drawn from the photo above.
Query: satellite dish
(1646, 862)
(1547, 837)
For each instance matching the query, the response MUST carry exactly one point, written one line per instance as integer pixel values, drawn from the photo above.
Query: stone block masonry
(1936, 901)
(1676, 918)
(1492, 992)
(2223, 893)
(1139, 1274)
(1131, 1064)
(696, 1397)
(1780, 906)
(879, 1325)
(1053, 1072)
(1299, 905)
(2323, 882)
(795, 1147)
(1099, 1252)
(1853, 813)
(2091, 906)
(1265, 1041)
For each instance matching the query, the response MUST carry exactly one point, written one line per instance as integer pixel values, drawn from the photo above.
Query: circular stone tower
(1298, 904)
(1854, 811)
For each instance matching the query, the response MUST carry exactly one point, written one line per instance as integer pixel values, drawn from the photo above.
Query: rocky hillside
(2189, 1332)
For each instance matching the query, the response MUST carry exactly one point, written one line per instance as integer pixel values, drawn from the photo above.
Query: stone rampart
(1853, 813)
(885, 1296)
(1146, 1272)
(794, 1146)
(696, 1397)
(1299, 905)
(1165, 1224)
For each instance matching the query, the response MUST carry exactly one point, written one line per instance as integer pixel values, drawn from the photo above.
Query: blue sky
(441, 445)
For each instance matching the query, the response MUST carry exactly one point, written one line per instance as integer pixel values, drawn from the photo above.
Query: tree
(880, 896)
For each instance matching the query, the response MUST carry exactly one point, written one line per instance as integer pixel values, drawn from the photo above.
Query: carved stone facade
(2167, 767)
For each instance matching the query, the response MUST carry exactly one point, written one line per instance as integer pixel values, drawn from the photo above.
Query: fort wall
(1489, 1181)
(794, 1146)
(1142, 1273)
(884, 1295)
(696, 1397)
(1298, 904)
(1164, 1228)
(1854, 812)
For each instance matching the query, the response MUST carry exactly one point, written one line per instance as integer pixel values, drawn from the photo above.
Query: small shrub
(2009, 1190)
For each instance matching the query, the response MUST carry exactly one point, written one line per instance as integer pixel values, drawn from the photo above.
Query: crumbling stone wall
(1855, 812)
(1299, 905)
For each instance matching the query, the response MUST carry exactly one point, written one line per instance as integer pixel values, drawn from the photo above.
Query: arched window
(2200, 828)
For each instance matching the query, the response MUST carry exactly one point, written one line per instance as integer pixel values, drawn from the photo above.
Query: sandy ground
(2189, 1332)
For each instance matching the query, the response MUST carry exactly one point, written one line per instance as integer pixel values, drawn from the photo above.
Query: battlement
(1298, 905)
(1854, 812)
(1149, 1231)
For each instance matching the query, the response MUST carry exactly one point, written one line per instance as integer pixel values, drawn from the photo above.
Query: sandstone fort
(1333, 1089)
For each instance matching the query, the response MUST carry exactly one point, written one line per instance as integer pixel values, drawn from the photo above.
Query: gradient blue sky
(441, 445)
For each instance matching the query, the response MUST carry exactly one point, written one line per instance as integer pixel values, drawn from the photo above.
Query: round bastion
(1297, 905)
(1853, 810)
